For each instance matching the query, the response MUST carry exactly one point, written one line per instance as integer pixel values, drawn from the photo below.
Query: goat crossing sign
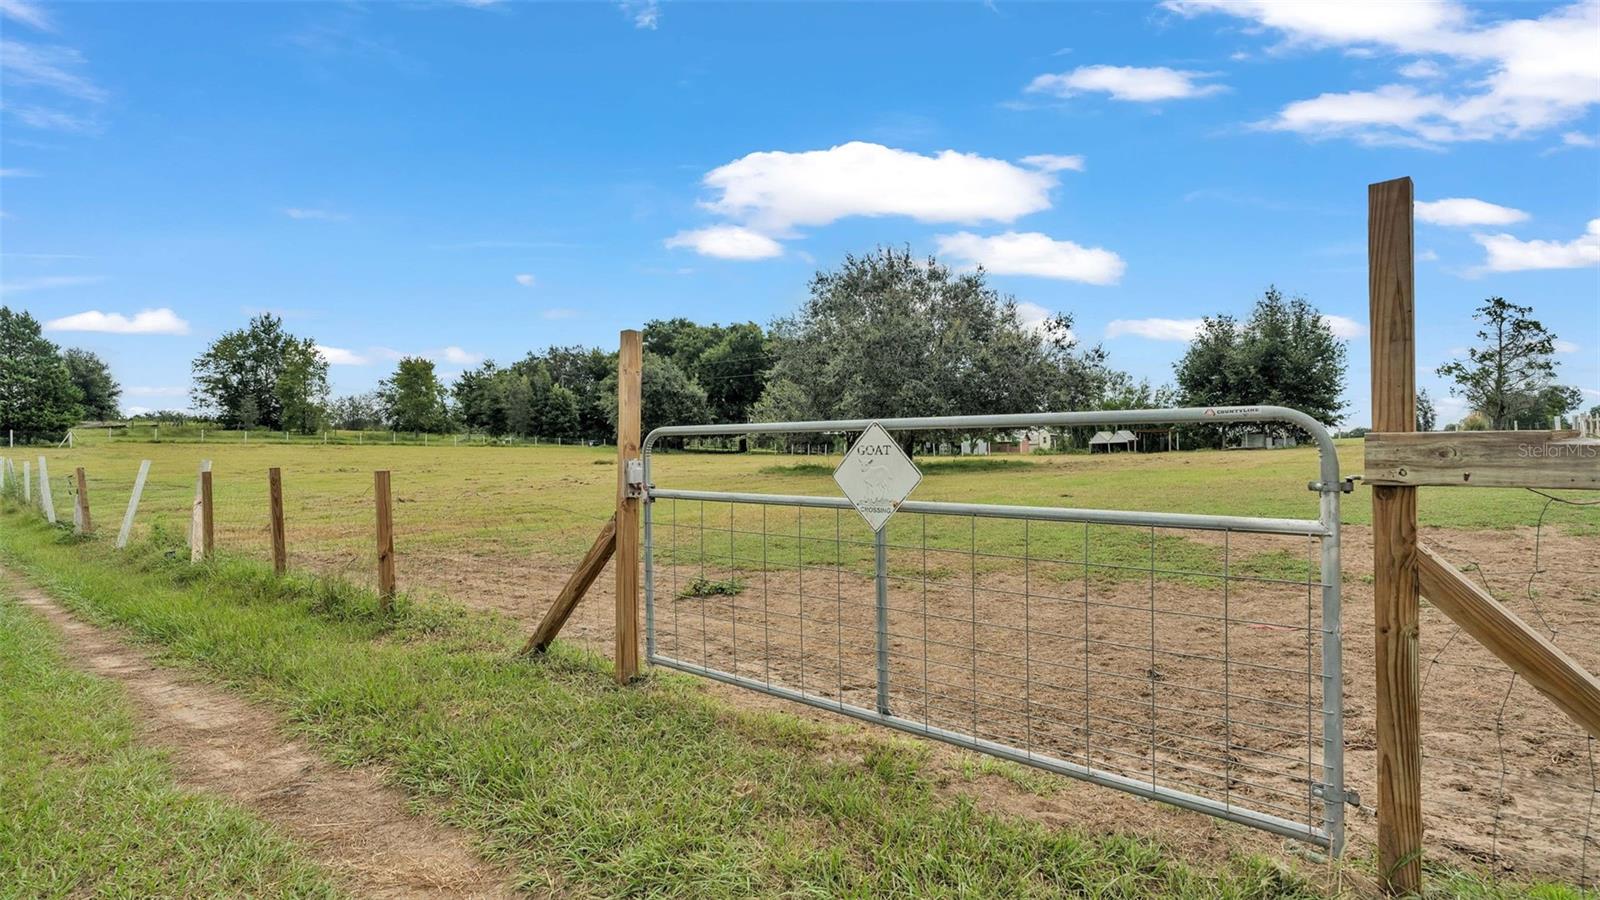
(876, 476)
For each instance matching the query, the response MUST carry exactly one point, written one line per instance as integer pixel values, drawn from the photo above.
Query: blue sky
(471, 180)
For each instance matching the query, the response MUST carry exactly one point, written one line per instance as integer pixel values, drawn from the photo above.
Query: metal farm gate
(1192, 659)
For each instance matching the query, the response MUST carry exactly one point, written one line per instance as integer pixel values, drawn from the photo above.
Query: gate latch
(1345, 485)
(1320, 791)
(634, 483)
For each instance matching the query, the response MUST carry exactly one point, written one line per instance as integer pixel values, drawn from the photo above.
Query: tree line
(883, 334)
(45, 390)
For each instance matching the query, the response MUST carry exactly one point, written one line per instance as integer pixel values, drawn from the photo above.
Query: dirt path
(345, 818)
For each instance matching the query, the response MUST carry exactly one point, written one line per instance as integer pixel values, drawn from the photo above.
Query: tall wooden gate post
(630, 362)
(1391, 291)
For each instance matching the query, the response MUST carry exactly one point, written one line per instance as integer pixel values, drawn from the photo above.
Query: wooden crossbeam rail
(1517, 644)
(1535, 459)
(589, 569)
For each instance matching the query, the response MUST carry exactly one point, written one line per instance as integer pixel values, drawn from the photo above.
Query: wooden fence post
(82, 520)
(380, 493)
(629, 399)
(197, 515)
(208, 521)
(280, 544)
(1391, 292)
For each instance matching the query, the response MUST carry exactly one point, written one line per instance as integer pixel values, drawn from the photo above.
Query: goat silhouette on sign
(875, 475)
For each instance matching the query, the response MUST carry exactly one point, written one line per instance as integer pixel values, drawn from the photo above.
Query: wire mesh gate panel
(1193, 659)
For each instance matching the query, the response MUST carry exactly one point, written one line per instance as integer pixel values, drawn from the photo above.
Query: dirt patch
(345, 818)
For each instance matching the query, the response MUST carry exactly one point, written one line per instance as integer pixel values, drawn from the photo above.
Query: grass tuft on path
(86, 811)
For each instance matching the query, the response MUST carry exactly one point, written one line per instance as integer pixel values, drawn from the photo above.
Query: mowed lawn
(550, 499)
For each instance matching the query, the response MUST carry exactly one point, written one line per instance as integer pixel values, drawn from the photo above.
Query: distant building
(1119, 441)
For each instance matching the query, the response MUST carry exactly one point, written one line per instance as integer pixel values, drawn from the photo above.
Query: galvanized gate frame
(1329, 485)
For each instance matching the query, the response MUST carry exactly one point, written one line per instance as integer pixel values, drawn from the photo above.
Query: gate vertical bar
(1332, 677)
(880, 546)
(1391, 285)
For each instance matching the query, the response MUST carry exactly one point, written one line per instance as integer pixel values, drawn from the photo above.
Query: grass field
(584, 787)
(458, 505)
(498, 528)
(85, 811)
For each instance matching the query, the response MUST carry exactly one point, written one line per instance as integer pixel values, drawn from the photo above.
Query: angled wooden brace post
(577, 585)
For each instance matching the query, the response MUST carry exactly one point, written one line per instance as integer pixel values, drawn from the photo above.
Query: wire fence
(1510, 782)
(1182, 660)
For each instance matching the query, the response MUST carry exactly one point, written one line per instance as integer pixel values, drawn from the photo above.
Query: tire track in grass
(344, 818)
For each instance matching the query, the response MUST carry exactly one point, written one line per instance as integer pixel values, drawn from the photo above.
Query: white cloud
(1422, 70)
(460, 357)
(1345, 327)
(1592, 392)
(45, 282)
(147, 321)
(1467, 211)
(560, 312)
(525, 280)
(774, 191)
(50, 68)
(46, 119)
(1579, 139)
(1565, 346)
(1155, 329)
(1507, 253)
(1519, 76)
(1031, 253)
(1052, 162)
(1427, 256)
(727, 242)
(18, 173)
(1132, 83)
(151, 391)
(646, 14)
(26, 13)
(301, 212)
(338, 356)
(1396, 114)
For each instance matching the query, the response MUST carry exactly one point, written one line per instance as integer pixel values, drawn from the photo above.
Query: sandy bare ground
(345, 818)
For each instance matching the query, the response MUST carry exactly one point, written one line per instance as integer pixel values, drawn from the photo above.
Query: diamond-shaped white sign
(877, 476)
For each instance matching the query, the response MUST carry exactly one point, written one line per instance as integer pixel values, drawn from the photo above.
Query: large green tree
(37, 398)
(668, 396)
(888, 334)
(92, 377)
(729, 362)
(414, 398)
(240, 378)
(1514, 361)
(1284, 354)
(302, 388)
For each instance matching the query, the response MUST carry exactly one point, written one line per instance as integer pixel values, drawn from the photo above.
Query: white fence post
(133, 505)
(44, 492)
(27, 482)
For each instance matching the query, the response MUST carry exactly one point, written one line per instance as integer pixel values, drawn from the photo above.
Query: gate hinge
(1344, 485)
(634, 483)
(1320, 791)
